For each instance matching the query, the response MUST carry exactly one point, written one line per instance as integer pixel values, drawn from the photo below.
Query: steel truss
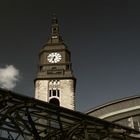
(25, 118)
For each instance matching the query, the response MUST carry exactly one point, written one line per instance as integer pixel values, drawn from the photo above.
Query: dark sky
(102, 35)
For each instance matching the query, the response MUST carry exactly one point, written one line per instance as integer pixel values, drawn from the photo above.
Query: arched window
(54, 101)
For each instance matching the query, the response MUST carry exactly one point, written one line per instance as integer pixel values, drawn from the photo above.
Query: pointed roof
(55, 37)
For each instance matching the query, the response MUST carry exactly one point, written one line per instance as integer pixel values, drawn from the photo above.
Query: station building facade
(125, 112)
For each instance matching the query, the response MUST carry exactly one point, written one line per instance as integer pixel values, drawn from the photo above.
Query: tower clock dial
(54, 57)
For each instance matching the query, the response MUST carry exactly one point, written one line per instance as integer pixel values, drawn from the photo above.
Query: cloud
(9, 76)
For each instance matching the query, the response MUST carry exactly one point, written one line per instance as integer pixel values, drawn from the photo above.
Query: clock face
(54, 57)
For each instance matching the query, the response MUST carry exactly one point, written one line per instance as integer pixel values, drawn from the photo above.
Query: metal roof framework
(26, 118)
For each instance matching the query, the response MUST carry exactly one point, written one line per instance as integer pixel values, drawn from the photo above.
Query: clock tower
(55, 82)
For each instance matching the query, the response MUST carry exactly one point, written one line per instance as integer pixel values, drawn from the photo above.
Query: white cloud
(9, 76)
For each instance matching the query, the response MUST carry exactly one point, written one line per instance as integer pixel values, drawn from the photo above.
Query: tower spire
(55, 26)
(55, 37)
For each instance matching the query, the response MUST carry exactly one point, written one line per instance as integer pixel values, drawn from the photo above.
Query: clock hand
(53, 58)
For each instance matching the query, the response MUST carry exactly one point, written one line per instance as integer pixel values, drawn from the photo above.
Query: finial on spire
(54, 19)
